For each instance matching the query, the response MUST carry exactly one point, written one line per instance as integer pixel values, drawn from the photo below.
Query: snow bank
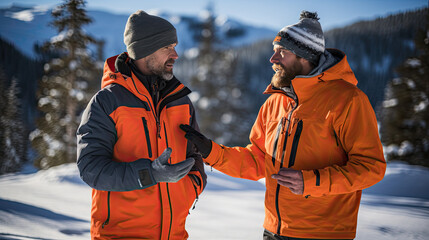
(55, 204)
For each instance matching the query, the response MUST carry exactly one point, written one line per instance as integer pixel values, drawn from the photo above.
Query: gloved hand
(162, 171)
(203, 144)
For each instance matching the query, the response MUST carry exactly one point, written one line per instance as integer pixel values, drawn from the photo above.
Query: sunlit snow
(56, 204)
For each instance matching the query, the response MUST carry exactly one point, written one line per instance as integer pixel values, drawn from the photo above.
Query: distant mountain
(25, 26)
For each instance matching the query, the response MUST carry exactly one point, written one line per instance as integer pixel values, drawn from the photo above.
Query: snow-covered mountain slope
(25, 26)
(55, 204)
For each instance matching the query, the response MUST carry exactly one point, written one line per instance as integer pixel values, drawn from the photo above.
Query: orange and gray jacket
(329, 132)
(122, 131)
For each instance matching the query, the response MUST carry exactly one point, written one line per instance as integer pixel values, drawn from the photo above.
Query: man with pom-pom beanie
(315, 140)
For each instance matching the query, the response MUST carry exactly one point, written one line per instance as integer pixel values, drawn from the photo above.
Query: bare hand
(291, 179)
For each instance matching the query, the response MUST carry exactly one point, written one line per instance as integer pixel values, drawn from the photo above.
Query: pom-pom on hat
(144, 34)
(305, 38)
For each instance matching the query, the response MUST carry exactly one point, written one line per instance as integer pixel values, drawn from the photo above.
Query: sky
(274, 14)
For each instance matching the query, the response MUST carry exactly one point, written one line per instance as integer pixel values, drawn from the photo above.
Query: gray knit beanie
(305, 38)
(144, 34)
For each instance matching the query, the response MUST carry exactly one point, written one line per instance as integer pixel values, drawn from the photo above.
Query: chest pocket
(136, 130)
(286, 142)
(275, 137)
(318, 143)
(171, 118)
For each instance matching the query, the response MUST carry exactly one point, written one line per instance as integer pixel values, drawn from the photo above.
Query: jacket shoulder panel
(115, 95)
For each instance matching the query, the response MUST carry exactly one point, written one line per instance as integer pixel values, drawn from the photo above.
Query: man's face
(286, 65)
(161, 62)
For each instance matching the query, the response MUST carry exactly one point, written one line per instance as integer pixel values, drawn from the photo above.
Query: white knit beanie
(305, 38)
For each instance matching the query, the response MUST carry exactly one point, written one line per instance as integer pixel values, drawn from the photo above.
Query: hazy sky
(274, 14)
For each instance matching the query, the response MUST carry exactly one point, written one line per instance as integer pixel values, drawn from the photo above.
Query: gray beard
(167, 76)
(162, 73)
(159, 71)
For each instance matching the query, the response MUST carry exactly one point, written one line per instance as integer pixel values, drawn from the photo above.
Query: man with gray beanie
(144, 173)
(315, 140)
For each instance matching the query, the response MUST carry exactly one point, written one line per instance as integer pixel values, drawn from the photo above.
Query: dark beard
(283, 77)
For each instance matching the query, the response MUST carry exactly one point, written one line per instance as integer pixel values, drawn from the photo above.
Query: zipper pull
(155, 86)
(295, 121)
(155, 101)
(158, 129)
(283, 123)
(155, 92)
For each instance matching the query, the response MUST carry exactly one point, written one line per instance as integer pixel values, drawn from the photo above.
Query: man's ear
(304, 61)
(307, 65)
(142, 65)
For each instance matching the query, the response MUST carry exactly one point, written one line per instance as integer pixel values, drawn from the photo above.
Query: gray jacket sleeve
(96, 137)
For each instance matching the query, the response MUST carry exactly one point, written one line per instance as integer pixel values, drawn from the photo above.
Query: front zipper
(146, 130)
(152, 108)
(168, 192)
(281, 166)
(156, 113)
(108, 211)
(162, 102)
(295, 144)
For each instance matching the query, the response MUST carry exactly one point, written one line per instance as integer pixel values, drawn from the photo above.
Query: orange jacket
(330, 134)
(120, 134)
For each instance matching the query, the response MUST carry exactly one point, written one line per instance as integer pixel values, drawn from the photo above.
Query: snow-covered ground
(55, 204)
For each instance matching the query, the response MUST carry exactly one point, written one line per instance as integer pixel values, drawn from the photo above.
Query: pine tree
(64, 89)
(376, 47)
(2, 110)
(221, 111)
(13, 138)
(405, 113)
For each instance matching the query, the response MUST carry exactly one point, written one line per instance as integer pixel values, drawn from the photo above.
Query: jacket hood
(125, 79)
(333, 65)
(110, 75)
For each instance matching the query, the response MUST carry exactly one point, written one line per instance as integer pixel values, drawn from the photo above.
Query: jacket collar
(116, 70)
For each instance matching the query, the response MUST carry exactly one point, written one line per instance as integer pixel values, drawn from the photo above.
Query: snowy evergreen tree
(13, 138)
(374, 48)
(2, 110)
(64, 90)
(405, 113)
(221, 111)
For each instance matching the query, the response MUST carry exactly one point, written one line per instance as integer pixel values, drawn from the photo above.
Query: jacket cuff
(313, 184)
(143, 169)
(213, 157)
(196, 180)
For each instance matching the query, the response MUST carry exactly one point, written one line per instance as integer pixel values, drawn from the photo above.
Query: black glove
(162, 171)
(203, 144)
